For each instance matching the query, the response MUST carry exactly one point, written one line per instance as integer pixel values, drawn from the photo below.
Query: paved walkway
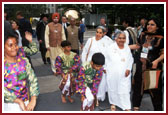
(50, 95)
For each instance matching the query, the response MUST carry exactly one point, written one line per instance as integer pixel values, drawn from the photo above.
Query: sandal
(113, 108)
(136, 108)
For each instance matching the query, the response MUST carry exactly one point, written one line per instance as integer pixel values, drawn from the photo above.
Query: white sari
(98, 46)
(119, 86)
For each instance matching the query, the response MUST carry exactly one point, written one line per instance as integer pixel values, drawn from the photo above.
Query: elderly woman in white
(119, 67)
(98, 43)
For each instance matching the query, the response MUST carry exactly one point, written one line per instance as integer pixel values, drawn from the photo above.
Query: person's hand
(127, 73)
(137, 46)
(40, 41)
(48, 49)
(154, 64)
(32, 104)
(104, 71)
(28, 36)
(21, 103)
(145, 45)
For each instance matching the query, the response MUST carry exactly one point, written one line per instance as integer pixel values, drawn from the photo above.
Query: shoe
(45, 63)
(113, 108)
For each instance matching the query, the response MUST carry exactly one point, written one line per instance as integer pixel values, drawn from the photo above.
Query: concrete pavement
(50, 95)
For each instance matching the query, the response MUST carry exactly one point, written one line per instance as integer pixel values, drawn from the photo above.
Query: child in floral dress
(88, 80)
(67, 65)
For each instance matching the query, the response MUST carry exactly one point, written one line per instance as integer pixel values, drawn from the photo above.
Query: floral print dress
(19, 80)
(63, 64)
(88, 77)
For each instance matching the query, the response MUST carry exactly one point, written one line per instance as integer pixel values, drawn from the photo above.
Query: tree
(113, 11)
(29, 10)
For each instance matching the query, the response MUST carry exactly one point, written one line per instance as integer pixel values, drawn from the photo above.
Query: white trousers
(13, 106)
(67, 85)
(102, 88)
(88, 101)
(53, 65)
(54, 52)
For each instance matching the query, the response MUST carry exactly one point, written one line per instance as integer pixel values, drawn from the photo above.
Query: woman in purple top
(20, 82)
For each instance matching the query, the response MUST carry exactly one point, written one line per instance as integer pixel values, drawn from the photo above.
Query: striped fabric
(151, 79)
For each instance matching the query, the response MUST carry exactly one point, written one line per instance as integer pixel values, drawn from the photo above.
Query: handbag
(151, 79)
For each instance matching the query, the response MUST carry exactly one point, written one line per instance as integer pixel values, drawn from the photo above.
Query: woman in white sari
(95, 44)
(119, 67)
(98, 43)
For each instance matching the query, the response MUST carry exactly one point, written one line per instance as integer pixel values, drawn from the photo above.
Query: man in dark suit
(65, 25)
(40, 31)
(24, 26)
(103, 23)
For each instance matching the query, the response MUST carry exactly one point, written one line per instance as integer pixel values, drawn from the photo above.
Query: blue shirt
(82, 28)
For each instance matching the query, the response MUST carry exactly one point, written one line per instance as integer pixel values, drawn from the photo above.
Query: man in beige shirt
(73, 35)
(54, 35)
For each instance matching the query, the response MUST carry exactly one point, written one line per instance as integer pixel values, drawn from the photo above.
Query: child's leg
(70, 99)
(96, 101)
(63, 98)
(71, 89)
(92, 107)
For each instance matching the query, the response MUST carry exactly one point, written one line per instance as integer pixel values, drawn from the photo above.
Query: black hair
(127, 21)
(65, 43)
(64, 16)
(10, 36)
(160, 30)
(17, 23)
(44, 15)
(98, 58)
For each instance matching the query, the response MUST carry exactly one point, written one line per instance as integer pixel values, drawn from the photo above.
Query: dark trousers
(156, 94)
(43, 55)
(75, 51)
(81, 37)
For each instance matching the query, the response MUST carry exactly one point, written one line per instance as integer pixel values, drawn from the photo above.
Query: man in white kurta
(54, 35)
(95, 47)
(119, 86)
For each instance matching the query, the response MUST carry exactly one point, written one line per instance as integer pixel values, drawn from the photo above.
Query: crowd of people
(110, 63)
